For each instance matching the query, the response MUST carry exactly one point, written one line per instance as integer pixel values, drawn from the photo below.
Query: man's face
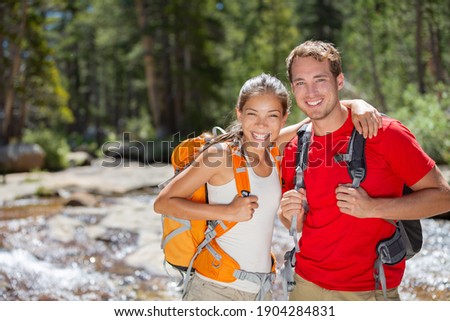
(315, 88)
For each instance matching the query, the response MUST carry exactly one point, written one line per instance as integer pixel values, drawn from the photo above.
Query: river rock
(79, 158)
(21, 157)
(99, 178)
(81, 199)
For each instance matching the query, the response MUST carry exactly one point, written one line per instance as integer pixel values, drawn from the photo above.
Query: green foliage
(260, 35)
(55, 146)
(29, 73)
(428, 118)
(140, 128)
(82, 61)
(49, 99)
(320, 19)
(43, 86)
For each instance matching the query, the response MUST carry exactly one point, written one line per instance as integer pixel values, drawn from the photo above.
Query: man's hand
(292, 204)
(354, 201)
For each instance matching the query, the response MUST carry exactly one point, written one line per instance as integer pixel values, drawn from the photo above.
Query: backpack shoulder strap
(276, 156)
(219, 227)
(304, 140)
(240, 171)
(301, 162)
(355, 159)
(357, 164)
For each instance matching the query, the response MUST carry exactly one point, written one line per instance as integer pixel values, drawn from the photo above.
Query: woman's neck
(260, 161)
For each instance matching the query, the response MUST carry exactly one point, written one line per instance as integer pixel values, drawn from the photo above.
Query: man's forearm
(420, 204)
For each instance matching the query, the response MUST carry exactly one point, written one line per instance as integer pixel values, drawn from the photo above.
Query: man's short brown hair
(319, 50)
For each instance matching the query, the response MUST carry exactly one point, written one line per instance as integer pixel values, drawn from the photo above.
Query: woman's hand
(365, 117)
(241, 209)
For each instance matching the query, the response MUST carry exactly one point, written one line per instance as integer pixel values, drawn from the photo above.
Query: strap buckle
(358, 176)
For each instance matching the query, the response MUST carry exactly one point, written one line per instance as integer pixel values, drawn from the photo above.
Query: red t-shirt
(337, 251)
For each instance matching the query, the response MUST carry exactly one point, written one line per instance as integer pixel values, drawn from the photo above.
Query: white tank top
(249, 243)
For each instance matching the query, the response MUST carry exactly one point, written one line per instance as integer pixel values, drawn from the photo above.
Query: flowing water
(52, 252)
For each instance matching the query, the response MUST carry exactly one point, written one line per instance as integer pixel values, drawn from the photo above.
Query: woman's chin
(263, 144)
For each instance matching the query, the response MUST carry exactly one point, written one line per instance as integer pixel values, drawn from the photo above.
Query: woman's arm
(174, 201)
(288, 132)
(365, 117)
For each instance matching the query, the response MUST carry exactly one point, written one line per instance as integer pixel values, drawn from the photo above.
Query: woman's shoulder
(217, 160)
(216, 155)
(220, 149)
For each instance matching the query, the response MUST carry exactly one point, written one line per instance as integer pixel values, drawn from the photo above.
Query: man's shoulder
(391, 129)
(388, 121)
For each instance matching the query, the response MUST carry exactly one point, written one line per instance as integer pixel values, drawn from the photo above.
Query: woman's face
(262, 119)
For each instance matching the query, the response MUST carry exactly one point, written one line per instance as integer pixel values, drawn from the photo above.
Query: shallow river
(34, 265)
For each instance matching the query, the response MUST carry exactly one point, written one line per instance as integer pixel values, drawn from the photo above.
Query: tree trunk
(436, 53)
(23, 114)
(11, 84)
(149, 65)
(420, 66)
(276, 38)
(73, 71)
(172, 98)
(381, 101)
(3, 70)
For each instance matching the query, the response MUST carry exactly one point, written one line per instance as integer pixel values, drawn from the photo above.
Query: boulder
(79, 158)
(21, 157)
(81, 199)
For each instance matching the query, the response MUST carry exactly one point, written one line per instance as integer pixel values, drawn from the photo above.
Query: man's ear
(340, 81)
(292, 87)
(285, 117)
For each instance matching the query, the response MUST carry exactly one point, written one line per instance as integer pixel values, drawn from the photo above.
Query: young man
(343, 225)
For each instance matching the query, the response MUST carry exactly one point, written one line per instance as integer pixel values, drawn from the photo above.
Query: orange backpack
(190, 245)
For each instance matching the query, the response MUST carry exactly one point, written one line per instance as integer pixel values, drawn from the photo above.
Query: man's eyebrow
(315, 76)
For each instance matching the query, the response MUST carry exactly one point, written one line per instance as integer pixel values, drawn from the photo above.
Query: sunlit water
(34, 266)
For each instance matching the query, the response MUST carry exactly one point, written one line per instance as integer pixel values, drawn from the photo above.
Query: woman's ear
(238, 114)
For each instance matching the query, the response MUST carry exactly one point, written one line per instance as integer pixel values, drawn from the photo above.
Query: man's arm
(431, 197)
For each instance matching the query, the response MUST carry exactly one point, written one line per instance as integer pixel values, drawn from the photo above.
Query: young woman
(246, 269)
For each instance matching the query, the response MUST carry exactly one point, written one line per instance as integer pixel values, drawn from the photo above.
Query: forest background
(77, 75)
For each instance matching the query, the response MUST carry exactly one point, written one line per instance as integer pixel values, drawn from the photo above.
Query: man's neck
(331, 122)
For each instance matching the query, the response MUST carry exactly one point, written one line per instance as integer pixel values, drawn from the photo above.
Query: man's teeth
(314, 103)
